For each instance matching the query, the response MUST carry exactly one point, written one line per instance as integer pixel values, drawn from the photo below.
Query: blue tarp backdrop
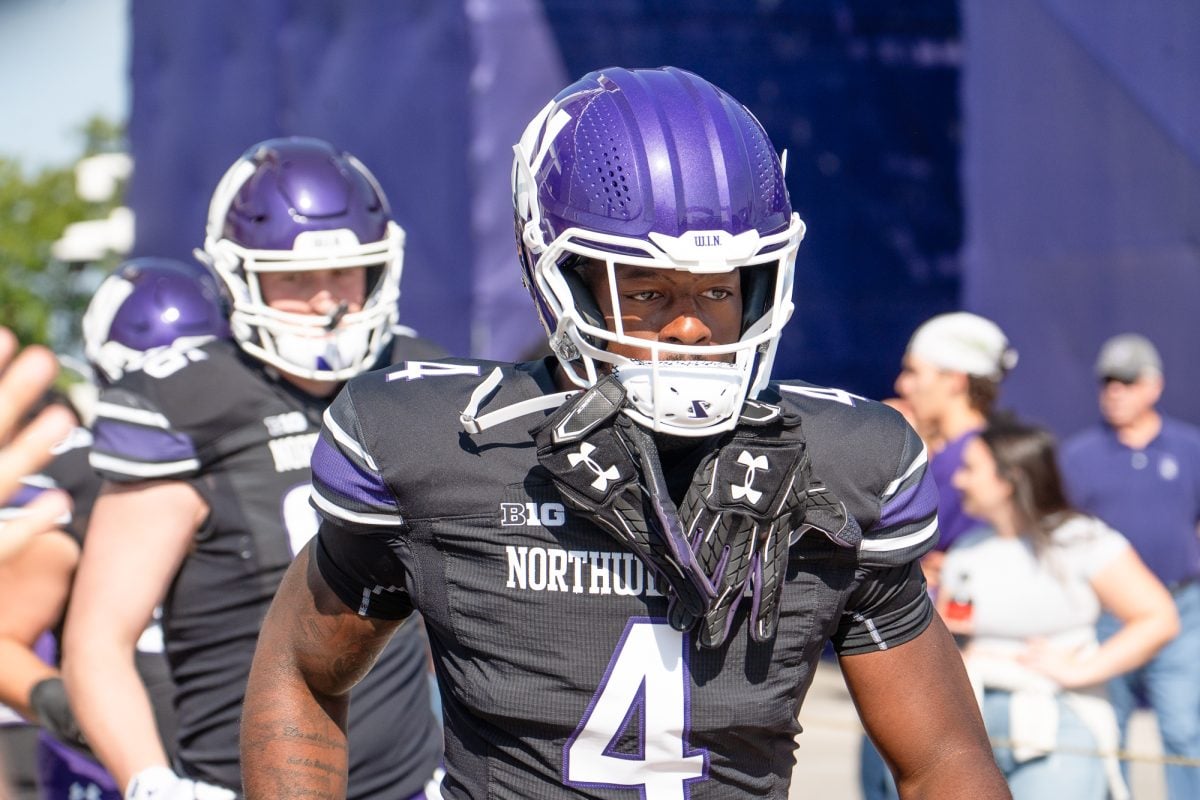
(1075, 213)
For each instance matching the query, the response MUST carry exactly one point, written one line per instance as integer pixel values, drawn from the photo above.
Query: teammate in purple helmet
(205, 450)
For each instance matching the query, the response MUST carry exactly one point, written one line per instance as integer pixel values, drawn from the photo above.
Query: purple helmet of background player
(298, 204)
(146, 304)
(656, 168)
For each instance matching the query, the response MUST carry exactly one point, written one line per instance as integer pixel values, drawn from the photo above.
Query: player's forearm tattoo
(312, 754)
(346, 650)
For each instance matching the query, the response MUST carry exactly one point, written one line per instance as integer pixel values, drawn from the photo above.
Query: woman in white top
(1024, 593)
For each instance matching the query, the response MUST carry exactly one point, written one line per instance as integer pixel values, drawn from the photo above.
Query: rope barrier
(831, 723)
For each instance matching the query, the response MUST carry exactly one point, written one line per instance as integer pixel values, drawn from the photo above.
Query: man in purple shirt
(1139, 471)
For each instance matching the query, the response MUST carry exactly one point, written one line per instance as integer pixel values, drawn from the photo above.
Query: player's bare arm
(137, 537)
(33, 593)
(917, 706)
(311, 650)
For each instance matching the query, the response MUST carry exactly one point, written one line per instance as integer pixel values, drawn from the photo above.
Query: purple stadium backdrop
(1082, 190)
(1076, 212)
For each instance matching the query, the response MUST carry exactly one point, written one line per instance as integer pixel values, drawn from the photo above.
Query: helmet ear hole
(757, 285)
(585, 301)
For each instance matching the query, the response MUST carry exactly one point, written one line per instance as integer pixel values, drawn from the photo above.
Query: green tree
(34, 212)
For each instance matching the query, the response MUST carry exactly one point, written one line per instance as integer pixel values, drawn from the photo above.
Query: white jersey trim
(918, 462)
(331, 508)
(900, 542)
(142, 470)
(136, 415)
(347, 441)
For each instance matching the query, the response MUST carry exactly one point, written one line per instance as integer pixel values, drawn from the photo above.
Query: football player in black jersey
(206, 454)
(146, 304)
(33, 586)
(627, 597)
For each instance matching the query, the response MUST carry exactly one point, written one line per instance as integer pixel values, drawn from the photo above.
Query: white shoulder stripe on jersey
(916, 464)
(335, 510)
(8, 514)
(347, 441)
(139, 469)
(39, 481)
(136, 415)
(900, 542)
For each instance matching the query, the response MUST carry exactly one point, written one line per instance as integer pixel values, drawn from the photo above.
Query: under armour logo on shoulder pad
(752, 464)
(603, 476)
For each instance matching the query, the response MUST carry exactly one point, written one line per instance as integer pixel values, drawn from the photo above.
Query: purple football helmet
(297, 204)
(656, 168)
(147, 304)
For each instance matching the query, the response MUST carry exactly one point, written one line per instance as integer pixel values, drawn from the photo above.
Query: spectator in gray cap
(1139, 471)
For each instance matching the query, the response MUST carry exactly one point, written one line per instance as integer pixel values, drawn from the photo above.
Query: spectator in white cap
(1139, 471)
(947, 387)
(951, 378)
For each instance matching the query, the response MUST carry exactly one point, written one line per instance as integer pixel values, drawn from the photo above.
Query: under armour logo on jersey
(603, 476)
(752, 464)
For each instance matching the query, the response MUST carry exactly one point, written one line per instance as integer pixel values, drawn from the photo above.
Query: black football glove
(48, 698)
(746, 499)
(607, 468)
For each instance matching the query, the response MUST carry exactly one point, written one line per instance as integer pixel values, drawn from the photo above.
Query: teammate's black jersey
(559, 672)
(71, 472)
(213, 417)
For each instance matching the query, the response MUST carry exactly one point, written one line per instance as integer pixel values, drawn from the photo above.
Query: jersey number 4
(647, 677)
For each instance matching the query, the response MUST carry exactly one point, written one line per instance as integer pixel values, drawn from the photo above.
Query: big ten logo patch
(546, 515)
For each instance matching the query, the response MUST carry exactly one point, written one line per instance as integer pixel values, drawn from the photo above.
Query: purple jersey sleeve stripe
(912, 504)
(133, 442)
(344, 482)
(24, 496)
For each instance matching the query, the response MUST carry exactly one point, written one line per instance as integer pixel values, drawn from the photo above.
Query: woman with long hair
(1024, 593)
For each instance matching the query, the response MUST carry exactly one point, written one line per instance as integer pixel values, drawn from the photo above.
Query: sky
(61, 62)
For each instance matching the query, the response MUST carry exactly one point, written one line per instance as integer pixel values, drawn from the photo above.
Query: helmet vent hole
(767, 170)
(603, 149)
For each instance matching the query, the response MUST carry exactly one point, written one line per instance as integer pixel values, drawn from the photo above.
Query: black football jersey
(71, 472)
(560, 674)
(215, 418)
